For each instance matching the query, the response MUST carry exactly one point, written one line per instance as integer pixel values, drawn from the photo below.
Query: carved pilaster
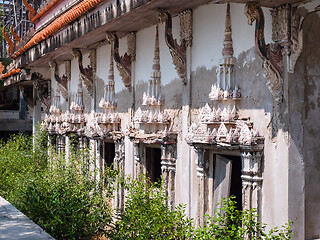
(281, 23)
(201, 185)
(131, 40)
(168, 167)
(93, 59)
(119, 163)
(138, 160)
(186, 26)
(251, 180)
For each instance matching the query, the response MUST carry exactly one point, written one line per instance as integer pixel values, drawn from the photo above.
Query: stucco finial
(227, 51)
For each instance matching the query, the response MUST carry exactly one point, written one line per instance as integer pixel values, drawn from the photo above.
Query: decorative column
(37, 108)
(93, 64)
(251, 180)
(168, 168)
(138, 159)
(119, 164)
(22, 103)
(201, 186)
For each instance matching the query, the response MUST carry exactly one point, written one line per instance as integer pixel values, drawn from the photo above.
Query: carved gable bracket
(86, 74)
(62, 82)
(123, 63)
(177, 51)
(270, 53)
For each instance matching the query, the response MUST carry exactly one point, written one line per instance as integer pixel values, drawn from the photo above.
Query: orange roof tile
(45, 10)
(11, 72)
(59, 23)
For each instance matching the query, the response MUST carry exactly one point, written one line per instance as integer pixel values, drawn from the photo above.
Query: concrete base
(14, 225)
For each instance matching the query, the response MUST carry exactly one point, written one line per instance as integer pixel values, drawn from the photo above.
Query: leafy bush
(20, 161)
(229, 223)
(146, 215)
(63, 197)
(67, 200)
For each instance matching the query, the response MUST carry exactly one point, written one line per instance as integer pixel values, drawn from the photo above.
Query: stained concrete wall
(290, 188)
(311, 125)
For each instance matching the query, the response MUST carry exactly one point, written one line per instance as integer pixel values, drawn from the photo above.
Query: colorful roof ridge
(11, 72)
(59, 23)
(45, 10)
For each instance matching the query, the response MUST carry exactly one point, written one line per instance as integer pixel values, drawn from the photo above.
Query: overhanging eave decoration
(177, 51)
(62, 82)
(86, 74)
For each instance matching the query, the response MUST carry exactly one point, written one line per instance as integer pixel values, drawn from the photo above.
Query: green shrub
(67, 200)
(146, 215)
(229, 223)
(19, 161)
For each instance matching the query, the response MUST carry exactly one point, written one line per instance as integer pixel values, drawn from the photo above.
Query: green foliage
(20, 161)
(67, 200)
(146, 216)
(63, 197)
(229, 223)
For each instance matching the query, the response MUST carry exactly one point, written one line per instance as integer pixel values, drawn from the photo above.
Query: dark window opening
(236, 182)
(109, 154)
(153, 164)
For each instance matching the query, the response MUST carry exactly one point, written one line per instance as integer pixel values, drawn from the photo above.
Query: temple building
(218, 98)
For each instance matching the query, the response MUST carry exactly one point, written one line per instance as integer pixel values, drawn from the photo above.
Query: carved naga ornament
(62, 81)
(270, 53)
(123, 63)
(9, 42)
(177, 51)
(29, 8)
(15, 35)
(86, 74)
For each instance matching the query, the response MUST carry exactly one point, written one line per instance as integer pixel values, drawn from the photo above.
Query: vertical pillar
(138, 160)
(251, 182)
(22, 104)
(201, 186)
(36, 109)
(186, 33)
(131, 43)
(119, 164)
(93, 64)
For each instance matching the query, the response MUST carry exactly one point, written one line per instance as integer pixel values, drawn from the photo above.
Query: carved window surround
(168, 162)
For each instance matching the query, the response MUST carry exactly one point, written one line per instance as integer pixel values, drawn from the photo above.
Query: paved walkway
(14, 225)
